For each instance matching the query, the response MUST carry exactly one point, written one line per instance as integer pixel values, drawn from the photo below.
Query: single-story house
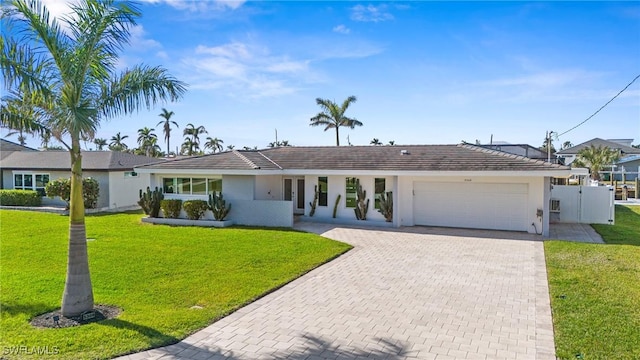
(433, 185)
(32, 170)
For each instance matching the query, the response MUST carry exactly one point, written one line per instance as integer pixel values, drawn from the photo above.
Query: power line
(603, 106)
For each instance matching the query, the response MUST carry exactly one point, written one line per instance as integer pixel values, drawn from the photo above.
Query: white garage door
(471, 205)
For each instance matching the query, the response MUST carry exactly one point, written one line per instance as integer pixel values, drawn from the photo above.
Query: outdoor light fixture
(56, 318)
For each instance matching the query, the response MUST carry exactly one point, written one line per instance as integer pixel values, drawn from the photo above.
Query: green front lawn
(595, 292)
(154, 273)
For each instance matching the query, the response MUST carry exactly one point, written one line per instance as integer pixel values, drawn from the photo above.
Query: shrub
(171, 208)
(62, 188)
(20, 198)
(195, 209)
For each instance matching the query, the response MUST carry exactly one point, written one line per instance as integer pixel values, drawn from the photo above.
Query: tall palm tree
(194, 132)
(214, 144)
(595, 158)
(145, 138)
(189, 147)
(375, 141)
(69, 77)
(100, 143)
(332, 116)
(166, 125)
(117, 143)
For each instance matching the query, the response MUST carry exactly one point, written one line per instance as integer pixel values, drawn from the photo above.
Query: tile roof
(373, 158)
(599, 142)
(60, 160)
(6, 145)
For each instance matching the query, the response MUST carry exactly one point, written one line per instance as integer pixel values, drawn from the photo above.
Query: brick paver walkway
(420, 293)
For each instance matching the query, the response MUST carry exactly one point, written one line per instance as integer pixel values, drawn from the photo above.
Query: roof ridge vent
(245, 159)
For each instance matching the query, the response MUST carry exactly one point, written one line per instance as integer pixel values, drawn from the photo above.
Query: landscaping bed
(168, 281)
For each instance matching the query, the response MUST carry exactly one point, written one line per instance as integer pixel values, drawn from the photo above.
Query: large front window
(36, 182)
(191, 186)
(350, 192)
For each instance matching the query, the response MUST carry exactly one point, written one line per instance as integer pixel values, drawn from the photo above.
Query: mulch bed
(100, 312)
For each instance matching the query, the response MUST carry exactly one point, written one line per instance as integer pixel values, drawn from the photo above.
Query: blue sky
(423, 72)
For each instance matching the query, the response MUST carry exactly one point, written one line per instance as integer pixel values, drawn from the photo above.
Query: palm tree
(100, 143)
(392, 142)
(375, 141)
(332, 116)
(214, 144)
(231, 147)
(166, 125)
(193, 131)
(69, 78)
(145, 137)
(116, 143)
(566, 145)
(595, 158)
(189, 147)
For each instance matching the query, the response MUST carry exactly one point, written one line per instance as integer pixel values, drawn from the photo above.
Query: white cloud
(245, 69)
(200, 5)
(341, 29)
(139, 42)
(371, 13)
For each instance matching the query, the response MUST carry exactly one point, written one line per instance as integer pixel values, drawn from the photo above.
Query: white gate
(583, 204)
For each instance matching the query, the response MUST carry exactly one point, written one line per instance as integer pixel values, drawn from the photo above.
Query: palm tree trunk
(337, 137)
(78, 293)
(167, 146)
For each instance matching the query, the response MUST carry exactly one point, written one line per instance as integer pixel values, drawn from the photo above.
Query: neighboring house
(629, 166)
(32, 170)
(433, 185)
(7, 147)
(525, 150)
(622, 145)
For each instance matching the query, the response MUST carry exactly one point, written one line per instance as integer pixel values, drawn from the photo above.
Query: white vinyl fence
(582, 204)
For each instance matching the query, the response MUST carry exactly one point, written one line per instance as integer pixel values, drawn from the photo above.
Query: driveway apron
(413, 293)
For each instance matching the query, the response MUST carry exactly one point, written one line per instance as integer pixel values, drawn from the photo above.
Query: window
(191, 186)
(350, 192)
(130, 174)
(214, 186)
(322, 191)
(36, 182)
(199, 186)
(379, 190)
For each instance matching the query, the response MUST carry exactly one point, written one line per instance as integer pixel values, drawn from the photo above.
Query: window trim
(34, 182)
(325, 193)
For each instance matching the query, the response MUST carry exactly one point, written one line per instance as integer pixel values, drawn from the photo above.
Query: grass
(595, 292)
(154, 273)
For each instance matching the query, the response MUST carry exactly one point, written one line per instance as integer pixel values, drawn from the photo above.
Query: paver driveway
(423, 293)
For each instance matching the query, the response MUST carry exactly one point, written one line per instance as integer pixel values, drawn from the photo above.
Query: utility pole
(548, 139)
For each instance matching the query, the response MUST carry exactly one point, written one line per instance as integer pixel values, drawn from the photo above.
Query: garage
(471, 205)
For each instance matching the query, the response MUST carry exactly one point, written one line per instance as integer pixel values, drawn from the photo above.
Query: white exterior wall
(238, 187)
(268, 187)
(537, 199)
(125, 191)
(336, 185)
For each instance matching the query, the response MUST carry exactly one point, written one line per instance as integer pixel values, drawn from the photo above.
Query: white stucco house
(29, 169)
(433, 185)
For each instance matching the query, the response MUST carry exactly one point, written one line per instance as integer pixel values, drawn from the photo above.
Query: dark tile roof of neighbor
(377, 158)
(60, 160)
(599, 142)
(6, 145)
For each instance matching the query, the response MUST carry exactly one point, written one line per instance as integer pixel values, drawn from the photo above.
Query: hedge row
(20, 198)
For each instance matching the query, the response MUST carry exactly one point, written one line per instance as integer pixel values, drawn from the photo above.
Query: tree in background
(214, 144)
(100, 143)
(596, 158)
(166, 125)
(60, 75)
(375, 142)
(117, 143)
(332, 116)
(147, 141)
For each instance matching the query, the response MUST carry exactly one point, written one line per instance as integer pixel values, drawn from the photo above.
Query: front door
(294, 191)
